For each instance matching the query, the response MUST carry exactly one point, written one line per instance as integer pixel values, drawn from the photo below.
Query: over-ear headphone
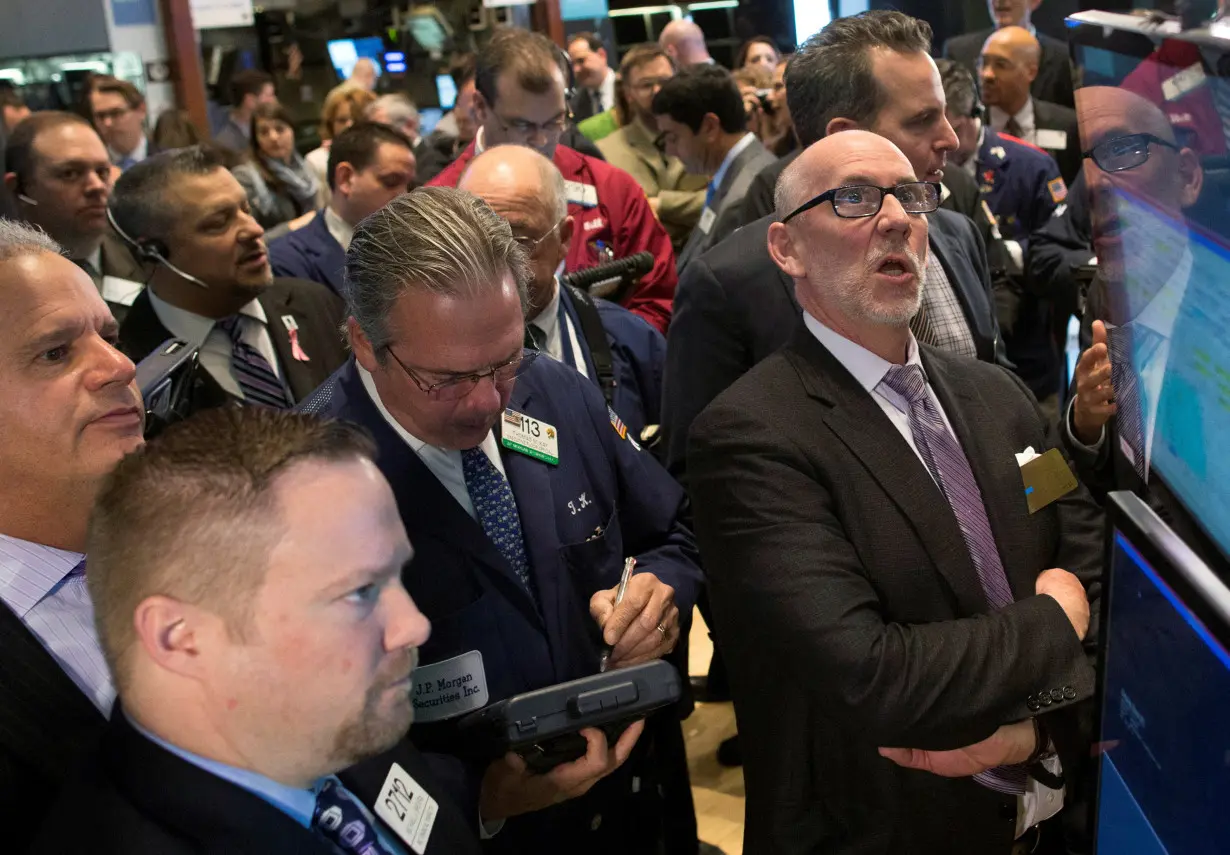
(150, 250)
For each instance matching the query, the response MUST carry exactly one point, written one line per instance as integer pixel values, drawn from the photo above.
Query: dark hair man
(520, 99)
(248, 89)
(370, 164)
(595, 79)
(117, 108)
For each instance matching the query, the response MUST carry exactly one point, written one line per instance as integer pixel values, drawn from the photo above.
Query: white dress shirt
(869, 370)
(553, 333)
(35, 583)
(137, 155)
(607, 90)
(342, 231)
(215, 344)
(735, 151)
(1024, 118)
(444, 463)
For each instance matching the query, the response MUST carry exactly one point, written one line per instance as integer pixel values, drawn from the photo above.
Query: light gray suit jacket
(727, 200)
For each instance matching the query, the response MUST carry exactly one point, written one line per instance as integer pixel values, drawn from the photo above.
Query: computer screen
(447, 91)
(1154, 109)
(344, 53)
(1164, 767)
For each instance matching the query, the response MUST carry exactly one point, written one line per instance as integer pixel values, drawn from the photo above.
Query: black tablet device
(543, 726)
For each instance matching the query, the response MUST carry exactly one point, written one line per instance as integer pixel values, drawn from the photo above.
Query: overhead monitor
(446, 88)
(344, 53)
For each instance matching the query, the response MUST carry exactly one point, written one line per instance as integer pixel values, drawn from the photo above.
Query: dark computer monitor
(344, 53)
(1164, 765)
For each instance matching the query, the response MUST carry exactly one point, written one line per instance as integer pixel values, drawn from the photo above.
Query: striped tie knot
(907, 381)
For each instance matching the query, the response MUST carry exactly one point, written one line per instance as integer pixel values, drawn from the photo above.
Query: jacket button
(596, 822)
(1057, 695)
(1045, 699)
(1033, 704)
(1069, 693)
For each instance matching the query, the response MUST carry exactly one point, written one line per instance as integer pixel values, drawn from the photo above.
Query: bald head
(1108, 109)
(515, 176)
(525, 188)
(831, 163)
(684, 41)
(1008, 66)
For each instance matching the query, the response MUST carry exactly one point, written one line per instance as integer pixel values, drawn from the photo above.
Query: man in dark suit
(619, 352)
(700, 116)
(262, 340)
(253, 671)
(1009, 61)
(117, 108)
(1053, 82)
(369, 165)
(70, 412)
(523, 494)
(894, 616)
(594, 79)
(62, 178)
(736, 307)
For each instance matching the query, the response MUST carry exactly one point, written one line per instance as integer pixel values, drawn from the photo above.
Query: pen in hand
(619, 598)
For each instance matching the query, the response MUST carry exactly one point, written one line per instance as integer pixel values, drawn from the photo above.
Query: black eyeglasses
(456, 388)
(864, 200)
(1126, 152)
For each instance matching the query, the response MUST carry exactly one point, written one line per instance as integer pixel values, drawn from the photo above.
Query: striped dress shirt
(45, 589)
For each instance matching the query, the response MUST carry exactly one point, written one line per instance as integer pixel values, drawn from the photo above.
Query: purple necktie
(255, 376)
(950, 469)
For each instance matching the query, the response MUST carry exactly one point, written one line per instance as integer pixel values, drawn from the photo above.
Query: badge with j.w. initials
(528, 435)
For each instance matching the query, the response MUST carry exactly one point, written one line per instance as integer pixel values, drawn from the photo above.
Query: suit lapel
(327, 251)
(859, 423)
(993, 462)
(299, 374)
(44, 718)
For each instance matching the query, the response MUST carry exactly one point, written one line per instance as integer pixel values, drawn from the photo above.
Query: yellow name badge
(530, 436)
(1046, 478)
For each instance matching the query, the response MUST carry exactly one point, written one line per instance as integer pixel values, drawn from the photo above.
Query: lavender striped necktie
(255, 376)
(949, 467)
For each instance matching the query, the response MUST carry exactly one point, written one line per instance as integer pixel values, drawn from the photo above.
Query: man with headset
(263, 341)
(521, 99)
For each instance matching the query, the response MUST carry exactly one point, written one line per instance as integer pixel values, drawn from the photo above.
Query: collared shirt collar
(95, 259)
(735, 150)
(29, 572)
(479, 145)
(548, 319)
(607, 89)
(296, 803)
(342, 231)
(137, 155)
(191, 327)
(866, 367)
(369, 384)
(1024, 117)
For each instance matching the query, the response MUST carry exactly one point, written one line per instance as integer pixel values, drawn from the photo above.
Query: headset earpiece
(153, 251)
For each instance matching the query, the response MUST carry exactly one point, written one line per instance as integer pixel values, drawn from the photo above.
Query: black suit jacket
(1054, 80)
(734, 307)
(317, 310)
(1056, 117)
(134, 797)
(852, 611)
(46, 726)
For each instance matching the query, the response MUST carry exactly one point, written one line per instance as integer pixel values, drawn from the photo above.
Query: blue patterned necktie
(497, 509)
(949, 467)
(1121, 343)
(339, 820)
(256, 378)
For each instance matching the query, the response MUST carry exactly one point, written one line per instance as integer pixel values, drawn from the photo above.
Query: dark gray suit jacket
(1054, 80)
(851, 613)
(727, 201)
(1056, 117)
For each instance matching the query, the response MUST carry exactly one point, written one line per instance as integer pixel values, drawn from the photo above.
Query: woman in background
(279, 183)
(344, 105)
(758, 52)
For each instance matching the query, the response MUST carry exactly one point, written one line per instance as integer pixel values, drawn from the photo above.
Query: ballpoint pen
(619, 598)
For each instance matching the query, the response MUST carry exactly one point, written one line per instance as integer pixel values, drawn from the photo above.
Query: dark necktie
(949, 467)
(88, 267)
(496, 509)
(1130, 420)
(595, 102)
(1013, 128)
(256, 378)
(339, 820)
(535, 338)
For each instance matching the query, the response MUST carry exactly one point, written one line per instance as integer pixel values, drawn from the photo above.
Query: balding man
(398, 111)
(879, 582)
(684, 42)
(1054, 80)
(621, 353)
(1007, 66)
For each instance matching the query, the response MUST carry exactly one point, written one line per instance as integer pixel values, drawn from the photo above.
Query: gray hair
(397, 108)
(789, 189)
(140, 201)
(18, 239)
(436, 239)
(830, 76)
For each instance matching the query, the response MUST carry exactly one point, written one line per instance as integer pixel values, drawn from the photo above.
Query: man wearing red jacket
(520, 99)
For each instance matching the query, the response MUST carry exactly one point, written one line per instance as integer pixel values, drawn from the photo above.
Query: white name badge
(1051, 139)
(585, 195)
(407, 809)
(527, 435)
(450, 688)
(707, 217)
(1185, 81)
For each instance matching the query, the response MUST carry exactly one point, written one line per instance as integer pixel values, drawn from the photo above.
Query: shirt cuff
(488, 830)
(1067, 427)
